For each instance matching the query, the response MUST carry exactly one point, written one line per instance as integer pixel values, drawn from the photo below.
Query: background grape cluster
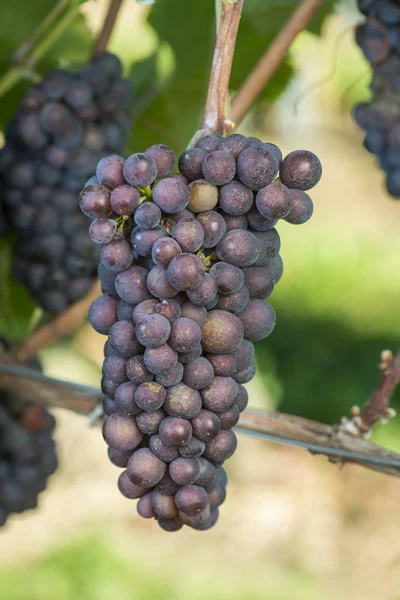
(62, 128)
(379, 39)
(185, 269)
(27, 453)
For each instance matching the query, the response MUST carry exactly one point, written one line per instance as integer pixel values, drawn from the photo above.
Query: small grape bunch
(187, 260)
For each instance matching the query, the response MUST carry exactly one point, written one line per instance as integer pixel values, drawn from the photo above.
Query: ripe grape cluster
(27, 453)
(184, 272)
(379, 39)
(64, 125)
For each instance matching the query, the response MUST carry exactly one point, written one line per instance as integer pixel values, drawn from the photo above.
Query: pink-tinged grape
(131, 285)
(137, 371)
(245, 374)
(257, 167)
(169, 309)
(220, 395)
(238, 247)
(185, 272)
(184, 470)
(301, 170)
(149, 422)
(198, 374)
(129, 489)
(207, 473)
(185, 335)
(164, 506)
(121, 432)
(142, 240)
(229, 418)
(193, 449)
(145, 506)
(175, 431)
(147, 307)
(153, 330)
(163, 451)
(161, 359)
(221, 447)
(214, 227)
(274, 201)
(140, 170)
(221, 333)
(242, 399)
(124, 199)
(228, 278)
(145, 469)
(302, 208)
(237, 222)
(182, 401)
(203, 196)
(124, 398)
(171, 377)
(164, 158)
(191, 499)
(170, 195)
(235, 198)
(189, 234)
(194, 312)
(117, 255)
(205, 425)
(190, 163)
(209, 143)
(109, 171)
(95, 201)
(234, 144)
(224, 365)
(147, 215)
(102, 231)
(219, 167)
(236, 302)
(103, 313)
(258, 320)
(114, 368)
(164, 250)
(150, 396)
(258, 222)
(119, 458)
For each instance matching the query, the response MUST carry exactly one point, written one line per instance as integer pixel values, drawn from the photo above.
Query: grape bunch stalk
(27, 452)
(185, 268)
(379, 39)
(62, 128)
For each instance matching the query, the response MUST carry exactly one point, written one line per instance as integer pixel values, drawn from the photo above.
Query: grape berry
(184, 281)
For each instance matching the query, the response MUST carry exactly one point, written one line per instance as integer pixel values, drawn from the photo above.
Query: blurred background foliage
(337, 304)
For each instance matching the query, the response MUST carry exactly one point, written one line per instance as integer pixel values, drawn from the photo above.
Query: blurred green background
(293, 526)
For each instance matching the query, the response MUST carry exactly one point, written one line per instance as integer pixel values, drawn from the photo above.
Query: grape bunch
(379, 39)
(63, 127)
(27, 453)
(184, 271)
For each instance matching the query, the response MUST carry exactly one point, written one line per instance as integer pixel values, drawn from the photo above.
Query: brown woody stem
(107, 29)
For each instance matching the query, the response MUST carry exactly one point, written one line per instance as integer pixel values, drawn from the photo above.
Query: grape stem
(272, 58)
(339, 443)
(61, 325)
(214, 112)
(103, 38)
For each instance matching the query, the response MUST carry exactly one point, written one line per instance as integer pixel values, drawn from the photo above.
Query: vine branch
(214, 111)
(107, 29)
(335, 442)
(272, 58)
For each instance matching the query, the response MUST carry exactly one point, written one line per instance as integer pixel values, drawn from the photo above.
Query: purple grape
(171, 195)
(102, 231)
(95, 201)
(258, 281)
(145, 506)
(199, 373)
(228, 278)
(124, 311)
(301, 170)
(234, 144)
(121, 432)
(175, 432)
(191, 499)
(159, 285)
(164, 158)
(193, 449)
(149, 422)
(140, 170)
(153, 331)
(220, 395)
(205, 425)
(137, 371)
(236, 302)
(239, 222)
(161, 359)
(217, 496)
(242, 399)
(147, 307)
(150, 396)
(219, 167)
(164, 506)
(119, 458)
(185, 272)
(257, 167)
(124, 199)
(185, 335)
(187, 357)
(129, 489)
(245, 374)
(131, 285)
(147, 215)
(182, 401)
(274, 201)
(171, 377)
(164, 250)
(114, 368)
(258, 320)
(194, 312)
(238, 247)
(124, 398)
(164, 452)
(117, 255)
(103, 313)
(142, 240)
(224, 365)
(269, 244)
(109, 171)
(235, 198)
(229, 418)
(145, 469)
(220, 448)
(169, 525)
(184, 470)
(189, 234)
(209, 143)
(169, 309)
(207, 473)
(214, 227)
(190, 163)
(245, 353)
(199, 521)
(205, 293)
(221, 333)
(123, 339)
(302, 208)
(108, 387)
(274, 149)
